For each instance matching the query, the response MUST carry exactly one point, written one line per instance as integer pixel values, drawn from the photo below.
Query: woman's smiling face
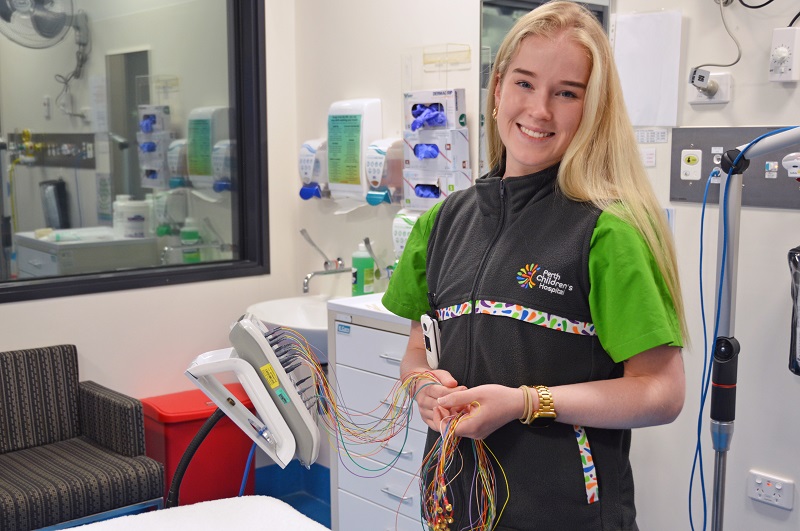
(540, 102)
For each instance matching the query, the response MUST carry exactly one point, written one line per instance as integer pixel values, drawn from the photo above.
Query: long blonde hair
(602, 164)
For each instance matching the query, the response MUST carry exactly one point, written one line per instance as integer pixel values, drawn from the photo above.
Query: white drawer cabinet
(372, 350)
(365, 346)
(394, 489)
(355, 511)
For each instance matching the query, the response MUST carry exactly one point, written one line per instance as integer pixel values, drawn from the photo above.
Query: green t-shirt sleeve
(631, 307)
(407, 294)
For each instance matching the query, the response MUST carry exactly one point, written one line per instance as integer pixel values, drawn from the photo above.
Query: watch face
(542, 419)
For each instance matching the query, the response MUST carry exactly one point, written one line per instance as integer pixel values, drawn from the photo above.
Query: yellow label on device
(269, 374)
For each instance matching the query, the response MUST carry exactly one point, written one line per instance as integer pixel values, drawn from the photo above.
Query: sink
(307, 315)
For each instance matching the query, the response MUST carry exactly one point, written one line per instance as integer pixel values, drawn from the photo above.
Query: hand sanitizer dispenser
(352, 126)
(384, 169)
(313, 165)
(206, 127)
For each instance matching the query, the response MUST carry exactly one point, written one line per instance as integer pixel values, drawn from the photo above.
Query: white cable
(735, 40)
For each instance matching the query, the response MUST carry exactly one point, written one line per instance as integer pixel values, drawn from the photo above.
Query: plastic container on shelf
(363, 271)
(171, 421)
(190, 236)
(117, 209)
(132, 218)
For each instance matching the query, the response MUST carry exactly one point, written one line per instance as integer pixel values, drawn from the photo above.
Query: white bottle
(150, 199)
(118, 213)
(136, 219)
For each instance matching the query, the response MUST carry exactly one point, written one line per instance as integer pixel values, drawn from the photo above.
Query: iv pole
(726, 347)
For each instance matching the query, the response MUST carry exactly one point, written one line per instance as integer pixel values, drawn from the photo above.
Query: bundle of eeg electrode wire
(351, 432)
(287, 384)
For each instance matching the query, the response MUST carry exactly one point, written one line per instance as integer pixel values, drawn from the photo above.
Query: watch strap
(545, 414)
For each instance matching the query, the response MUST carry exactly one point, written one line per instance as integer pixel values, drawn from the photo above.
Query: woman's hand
(489, 407)
(427, 394)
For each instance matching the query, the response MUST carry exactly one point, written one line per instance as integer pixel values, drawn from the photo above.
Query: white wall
(318, 52)
(766, 425)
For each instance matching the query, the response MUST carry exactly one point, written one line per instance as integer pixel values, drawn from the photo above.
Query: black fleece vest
(522, 243)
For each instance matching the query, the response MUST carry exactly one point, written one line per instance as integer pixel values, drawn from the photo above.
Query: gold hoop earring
(494, 113)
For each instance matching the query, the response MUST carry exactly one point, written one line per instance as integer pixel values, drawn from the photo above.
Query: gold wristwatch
(546, 414)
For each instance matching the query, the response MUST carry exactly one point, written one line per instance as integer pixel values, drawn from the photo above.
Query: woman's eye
(524, 84)
(567, 94)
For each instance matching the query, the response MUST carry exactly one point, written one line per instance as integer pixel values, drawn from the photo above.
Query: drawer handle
(402, 499)
(391, 358)
(35, 263)
(401, 453)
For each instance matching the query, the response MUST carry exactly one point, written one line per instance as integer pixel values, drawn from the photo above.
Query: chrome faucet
(332, 267)
(313, 274)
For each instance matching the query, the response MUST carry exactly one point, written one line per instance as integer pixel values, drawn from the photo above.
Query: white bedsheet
(244, 513)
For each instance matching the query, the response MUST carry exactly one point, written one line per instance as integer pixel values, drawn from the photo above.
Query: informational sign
(344, 149)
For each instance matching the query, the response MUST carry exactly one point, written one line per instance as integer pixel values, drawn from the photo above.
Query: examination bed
(247, 512)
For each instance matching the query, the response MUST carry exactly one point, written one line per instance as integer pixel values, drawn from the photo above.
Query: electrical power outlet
(691, 164)
(772, 490)
(723, 94)
(784, 56)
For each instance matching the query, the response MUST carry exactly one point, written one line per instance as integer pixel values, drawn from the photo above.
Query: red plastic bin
(216, 470)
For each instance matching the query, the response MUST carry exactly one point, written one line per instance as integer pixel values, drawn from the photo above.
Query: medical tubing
(175, 486)
(698, 455)
(708, 358)
(247, 468)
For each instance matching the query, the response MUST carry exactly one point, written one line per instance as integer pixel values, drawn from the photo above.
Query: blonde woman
(554, 284)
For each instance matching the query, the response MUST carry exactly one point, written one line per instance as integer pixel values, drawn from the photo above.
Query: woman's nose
(539, 106)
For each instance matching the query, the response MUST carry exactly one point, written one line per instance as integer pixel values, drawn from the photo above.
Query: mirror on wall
(497, 18)
(132, 144)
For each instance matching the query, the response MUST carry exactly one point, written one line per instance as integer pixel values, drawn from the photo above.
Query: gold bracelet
(532, 411)
(545, 414)
(527, 397)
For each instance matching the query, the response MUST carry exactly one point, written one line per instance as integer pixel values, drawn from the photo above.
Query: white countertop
(366, 306)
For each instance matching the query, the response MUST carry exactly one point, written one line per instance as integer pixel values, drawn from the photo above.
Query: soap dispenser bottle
(190, 236)
(363, 271)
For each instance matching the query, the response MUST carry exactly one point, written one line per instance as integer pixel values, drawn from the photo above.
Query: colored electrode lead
(358, 435)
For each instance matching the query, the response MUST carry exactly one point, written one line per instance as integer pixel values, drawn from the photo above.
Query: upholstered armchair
(70, 452)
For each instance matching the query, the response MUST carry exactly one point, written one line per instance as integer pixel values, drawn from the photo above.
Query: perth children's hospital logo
(531, 276)
(527, 275)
